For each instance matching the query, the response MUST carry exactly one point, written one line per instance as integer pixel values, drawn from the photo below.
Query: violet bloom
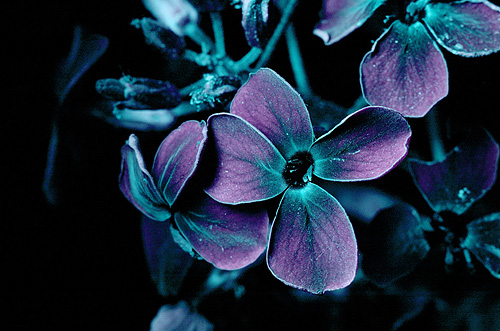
(266, 148)
(229, 237)
(400, 238)
(405, 69)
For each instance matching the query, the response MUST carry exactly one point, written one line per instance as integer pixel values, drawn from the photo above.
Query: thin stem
(271, 44)
(220, 46)
(297, 63)
(194, 32)
(435, 138)
(247, 60)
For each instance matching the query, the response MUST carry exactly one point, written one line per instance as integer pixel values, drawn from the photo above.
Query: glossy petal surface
(179, 317)
(396, 244)
(229, 237)
(248, 167)
(341, 17)
(312, 244)
(466, 174)
(168, 263)
(137, 184)
(177, 158)
(405, 71)
(365, 145)
(269, 103)
(466, 28)
(483, 240)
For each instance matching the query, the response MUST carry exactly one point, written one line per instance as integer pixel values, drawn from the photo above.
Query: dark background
(80, 265)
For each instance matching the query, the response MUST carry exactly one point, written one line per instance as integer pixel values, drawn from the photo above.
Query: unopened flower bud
(174, 14)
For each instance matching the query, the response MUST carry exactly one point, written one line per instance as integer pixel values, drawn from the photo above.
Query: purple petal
(249, 167)
(229, 237)
(269, 103)
(466, 174)
(341, 17)
(312, 244)
(137, 184)
(177, 158)
(168, 263)
(365, 145)
(483, 240)
(466, 28)
(405, 70)
(396, 244)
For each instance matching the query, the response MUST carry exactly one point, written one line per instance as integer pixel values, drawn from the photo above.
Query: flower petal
(229, 237)
(168, 263)
(405, 70)
(312, 244)
(269, 103)
(466, 28)
(341, 17)
(450, 185)
(396, 243)
(248, 167)
(179, 317)
(137, 184)
(483, 240)
(365, 145)
(177, 158)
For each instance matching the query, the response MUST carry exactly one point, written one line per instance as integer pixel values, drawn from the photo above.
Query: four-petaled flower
(265, 147)
(400, 238)
(405, 70)
(229, 237)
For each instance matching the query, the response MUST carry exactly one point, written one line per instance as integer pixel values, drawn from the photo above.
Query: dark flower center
(298, 170)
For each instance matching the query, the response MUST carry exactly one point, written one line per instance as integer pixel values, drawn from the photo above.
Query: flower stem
(271, 44)
(297, 63)
(194, 32)
(247, 60)
(435, 138)
(220, 47)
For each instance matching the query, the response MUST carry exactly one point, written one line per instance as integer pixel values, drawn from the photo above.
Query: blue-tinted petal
(483, 240)
(405, 71)
(229, 237)
(312, 245)
(137, 184)
(365, 145)
(466, 28)
(177, 158)
(396, 244)
(249, 167)
(269, 103)
(341, 17)
(179, 317)
(466, 174)
(168, 263)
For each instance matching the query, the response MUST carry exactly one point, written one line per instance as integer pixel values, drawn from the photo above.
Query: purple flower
(405, 69)
(400, 238)
(265, 148)
(229, 237)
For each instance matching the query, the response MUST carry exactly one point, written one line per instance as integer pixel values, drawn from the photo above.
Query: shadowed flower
(405, 69)
(265, 147)
(229, 237)
(401, 237)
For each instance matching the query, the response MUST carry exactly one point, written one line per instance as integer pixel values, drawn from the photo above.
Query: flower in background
(179, 317)
(265, 147)
(229, 237)
(177, 15)
(405, 70)
(400, 238)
